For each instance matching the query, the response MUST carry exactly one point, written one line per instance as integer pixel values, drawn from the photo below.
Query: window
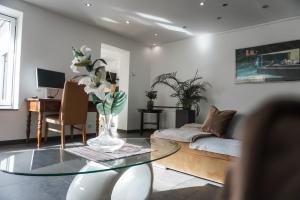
(9, 58)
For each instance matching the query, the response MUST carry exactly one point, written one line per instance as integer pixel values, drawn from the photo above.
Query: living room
(217, 41)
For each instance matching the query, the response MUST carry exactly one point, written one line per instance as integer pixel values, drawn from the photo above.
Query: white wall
(214, 57)
(46, 42)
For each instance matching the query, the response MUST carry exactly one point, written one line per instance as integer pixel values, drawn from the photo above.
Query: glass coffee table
(129, 178)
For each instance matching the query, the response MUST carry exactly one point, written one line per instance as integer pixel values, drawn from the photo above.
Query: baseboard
(135, 130)
(51, 138)
(128, 131)
(76, 136)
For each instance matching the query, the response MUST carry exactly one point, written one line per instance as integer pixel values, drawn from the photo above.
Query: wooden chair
(73, 111)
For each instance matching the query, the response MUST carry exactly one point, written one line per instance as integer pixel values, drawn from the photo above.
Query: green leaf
(113, 104)
(96, 100)
(77, 53)
(82, 63)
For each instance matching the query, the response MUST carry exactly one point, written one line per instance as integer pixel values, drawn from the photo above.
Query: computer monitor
(49, 79)
(111, 77)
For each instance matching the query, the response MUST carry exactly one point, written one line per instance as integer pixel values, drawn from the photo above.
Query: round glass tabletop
(58, 162)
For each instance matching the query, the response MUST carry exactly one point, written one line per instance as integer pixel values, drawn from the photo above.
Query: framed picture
(267, 63)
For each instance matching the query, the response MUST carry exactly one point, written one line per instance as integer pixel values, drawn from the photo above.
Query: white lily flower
(85, 50)
(101, 75)
(74, 68)
(98, 91)
(85, 81)
(74, 61)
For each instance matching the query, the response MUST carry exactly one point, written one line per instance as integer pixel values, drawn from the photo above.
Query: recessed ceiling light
(88, 4)
(154, 44)
(202, 3)
(265, 6)
(128, 22)
(225, 4)
(218, 18)
(155, 34)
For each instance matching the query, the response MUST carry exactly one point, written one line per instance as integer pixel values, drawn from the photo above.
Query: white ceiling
(189, 13)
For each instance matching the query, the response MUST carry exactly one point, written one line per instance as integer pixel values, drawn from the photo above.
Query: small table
(125, 178)
(155, 111)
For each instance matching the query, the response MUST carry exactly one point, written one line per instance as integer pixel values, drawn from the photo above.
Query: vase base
(105, 143)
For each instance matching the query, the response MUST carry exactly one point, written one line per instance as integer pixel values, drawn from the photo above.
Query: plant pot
(150, 105)
(184, 116)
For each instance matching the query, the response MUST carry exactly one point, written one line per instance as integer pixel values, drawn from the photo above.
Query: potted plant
(151, 95)
(189, 93)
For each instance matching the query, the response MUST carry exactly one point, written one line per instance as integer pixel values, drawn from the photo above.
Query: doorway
(118, 61)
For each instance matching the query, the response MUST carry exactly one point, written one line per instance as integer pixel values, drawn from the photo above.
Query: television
(49, 79)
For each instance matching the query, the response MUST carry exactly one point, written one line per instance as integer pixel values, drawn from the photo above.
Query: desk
(48, 105)
(142, 111)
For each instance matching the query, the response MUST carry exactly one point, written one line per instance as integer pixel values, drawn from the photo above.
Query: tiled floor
(167, 183)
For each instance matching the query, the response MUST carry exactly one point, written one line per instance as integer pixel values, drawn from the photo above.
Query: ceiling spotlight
(202, 3)
(218, 18)
(88, 4)
(265, 6)
(154, 44)
(225, 4)
(155, 34)
(128, 22)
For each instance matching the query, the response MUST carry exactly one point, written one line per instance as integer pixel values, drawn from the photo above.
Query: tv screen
(50, 79)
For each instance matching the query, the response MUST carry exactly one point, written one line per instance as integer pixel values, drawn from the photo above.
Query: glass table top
(54, 161)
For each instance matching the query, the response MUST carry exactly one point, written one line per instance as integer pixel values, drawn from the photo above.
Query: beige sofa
(201, 163)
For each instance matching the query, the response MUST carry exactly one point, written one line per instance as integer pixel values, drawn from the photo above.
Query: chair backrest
(269, 167)
(74, 105)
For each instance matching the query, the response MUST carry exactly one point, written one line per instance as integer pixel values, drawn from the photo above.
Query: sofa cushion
(184, 134)
(217, 121)
(234, 130)
(192, 125)
(218, 145)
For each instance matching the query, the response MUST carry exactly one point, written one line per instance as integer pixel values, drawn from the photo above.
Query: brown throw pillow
(217, 121)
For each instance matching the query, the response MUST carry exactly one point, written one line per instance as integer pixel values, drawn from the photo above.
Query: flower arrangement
(151, 94)
(109, 102)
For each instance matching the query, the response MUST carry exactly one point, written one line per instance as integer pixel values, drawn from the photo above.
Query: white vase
(106, 142)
